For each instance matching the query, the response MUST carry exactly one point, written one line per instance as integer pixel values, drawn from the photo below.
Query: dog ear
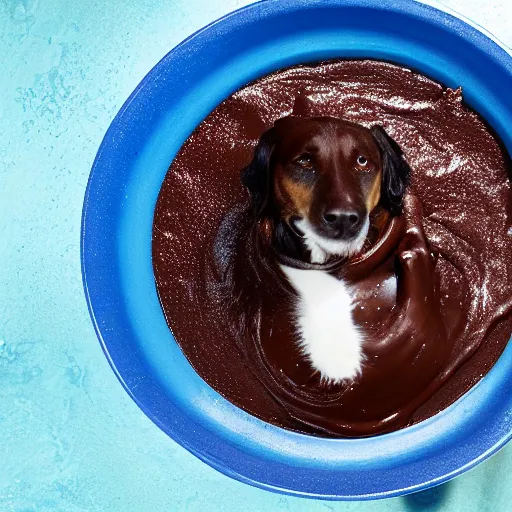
(395, 171)
(256, 176)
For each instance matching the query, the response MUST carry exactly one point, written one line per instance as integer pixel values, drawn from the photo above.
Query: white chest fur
(326, 330)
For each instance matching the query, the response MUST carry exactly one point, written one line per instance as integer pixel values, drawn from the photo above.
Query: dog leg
(323, 318)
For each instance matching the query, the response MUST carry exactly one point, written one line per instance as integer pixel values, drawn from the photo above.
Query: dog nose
(342, 223)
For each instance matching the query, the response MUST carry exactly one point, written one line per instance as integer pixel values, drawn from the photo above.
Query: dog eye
(304, 160)
(362, 161)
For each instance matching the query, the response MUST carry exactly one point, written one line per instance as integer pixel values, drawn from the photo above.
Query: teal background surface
(70, 437)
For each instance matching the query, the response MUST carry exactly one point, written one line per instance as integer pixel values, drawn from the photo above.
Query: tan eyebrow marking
(295, 197)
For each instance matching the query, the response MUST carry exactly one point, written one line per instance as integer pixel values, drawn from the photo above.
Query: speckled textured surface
(72, 439)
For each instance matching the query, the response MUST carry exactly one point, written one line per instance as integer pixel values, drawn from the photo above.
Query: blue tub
(116, 244)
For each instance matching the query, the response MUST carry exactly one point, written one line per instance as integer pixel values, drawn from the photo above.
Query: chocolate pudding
(434, 324)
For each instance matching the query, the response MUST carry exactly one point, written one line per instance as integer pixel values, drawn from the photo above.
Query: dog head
(322, 177)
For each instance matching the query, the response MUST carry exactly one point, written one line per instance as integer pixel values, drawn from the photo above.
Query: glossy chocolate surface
(434, 287)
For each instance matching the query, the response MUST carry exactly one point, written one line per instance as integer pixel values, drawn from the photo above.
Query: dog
(313, 184)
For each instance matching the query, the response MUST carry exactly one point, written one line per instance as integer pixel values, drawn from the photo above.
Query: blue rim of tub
(116, 244)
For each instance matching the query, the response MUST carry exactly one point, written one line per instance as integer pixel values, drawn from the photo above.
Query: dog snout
(342, 223)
